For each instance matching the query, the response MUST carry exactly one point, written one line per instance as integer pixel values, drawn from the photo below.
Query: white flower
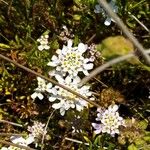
(42, 87)
(66, 99)
(110, 121)
(37, 130)
(43, 40)
(99, 9)
(20, 141)
(70, 60)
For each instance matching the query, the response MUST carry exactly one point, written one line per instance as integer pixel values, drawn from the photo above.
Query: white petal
(54, 58)
(40, 47)
(68, 80)
(88, 66)
(46, 36)
(85, 72)
(86, 60)
(64, 50)
(40, 80)
(82, 47)
(58, 68)
(39, 40)
(34, 95)
(76, 80)
(17, 139)
(59, 79)
(40, 96)
(83, 103)
(107, 21)
(52, 73)
(52, 63)
(62, 111)
(49, 85)
(57, 105)
(46, 47)
(79, 107)
(54, 91)
(58, 51)
(96, 126)
(69, 43)
(97, 131)
(29, 140)
(113, 108)
(52, 99)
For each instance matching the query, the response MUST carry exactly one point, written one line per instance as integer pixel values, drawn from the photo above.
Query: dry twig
(12, 123)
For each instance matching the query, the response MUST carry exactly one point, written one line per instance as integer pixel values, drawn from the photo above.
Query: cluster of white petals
(20, 141)
(110, 121)
(99, 9)
(43, 40)
(67, 100)
(70, 60)
(42, 87)
(67, 64)
(37, 130)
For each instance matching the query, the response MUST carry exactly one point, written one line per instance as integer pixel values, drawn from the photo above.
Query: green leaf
(97, 140)
(5, 46)
(142, 124)
(132, 147)
(87, 140)
(77, 17)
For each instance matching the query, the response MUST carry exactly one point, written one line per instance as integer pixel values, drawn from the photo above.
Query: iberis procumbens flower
(43, 40)
(70, 60)
(66, 100)
(110, 121)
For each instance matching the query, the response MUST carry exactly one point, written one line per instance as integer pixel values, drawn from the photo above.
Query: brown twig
(12, 123)
(49, 79)
(10, 134)
(126, 31)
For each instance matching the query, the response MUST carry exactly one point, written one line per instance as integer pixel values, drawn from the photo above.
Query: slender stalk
(76, 141)
(12, 123)
(50, 116)
(10, 134)
(139, 22)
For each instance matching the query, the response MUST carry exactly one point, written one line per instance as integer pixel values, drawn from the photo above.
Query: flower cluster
(71, 60)
(37, 130)
(43, 40)
(99, 9)
(68, 63)
(93, 52)
(65, 34)
(66, 99)
(42, 87)
(110, 121)
(20, 141)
